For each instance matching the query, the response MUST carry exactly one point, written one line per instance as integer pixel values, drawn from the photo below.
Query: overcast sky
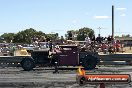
(62, 15)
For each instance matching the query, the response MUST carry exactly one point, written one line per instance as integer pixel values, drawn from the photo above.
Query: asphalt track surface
(15, 77)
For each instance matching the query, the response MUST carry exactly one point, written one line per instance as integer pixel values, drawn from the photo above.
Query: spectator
(50, 45)
(93, 38)
(88, 41)
(117, 45)
(109, 39)
(103, 47)
(99, 39)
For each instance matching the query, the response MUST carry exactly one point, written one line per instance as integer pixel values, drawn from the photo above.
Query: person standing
(50, 45)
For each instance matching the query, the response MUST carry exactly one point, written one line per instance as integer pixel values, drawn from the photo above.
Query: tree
(81, 34)
(7, 37)
(52, 37)
(128, 35)
(117, 36)
(28, 36)
(39, 36)
(1, 39)
(71, 33)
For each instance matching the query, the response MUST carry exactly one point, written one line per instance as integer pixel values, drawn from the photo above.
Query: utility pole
(112, 21)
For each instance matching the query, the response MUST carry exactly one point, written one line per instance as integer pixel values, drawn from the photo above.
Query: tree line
(31, 35)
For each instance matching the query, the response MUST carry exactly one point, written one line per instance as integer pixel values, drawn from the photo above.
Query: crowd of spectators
(102, 44)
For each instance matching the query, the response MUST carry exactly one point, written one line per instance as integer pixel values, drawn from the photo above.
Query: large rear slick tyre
(89, 62)
(27, 64)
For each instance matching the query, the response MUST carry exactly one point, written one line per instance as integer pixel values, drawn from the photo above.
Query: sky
(59, 16)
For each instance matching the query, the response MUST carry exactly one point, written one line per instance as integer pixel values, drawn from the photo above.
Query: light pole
(99, 30)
